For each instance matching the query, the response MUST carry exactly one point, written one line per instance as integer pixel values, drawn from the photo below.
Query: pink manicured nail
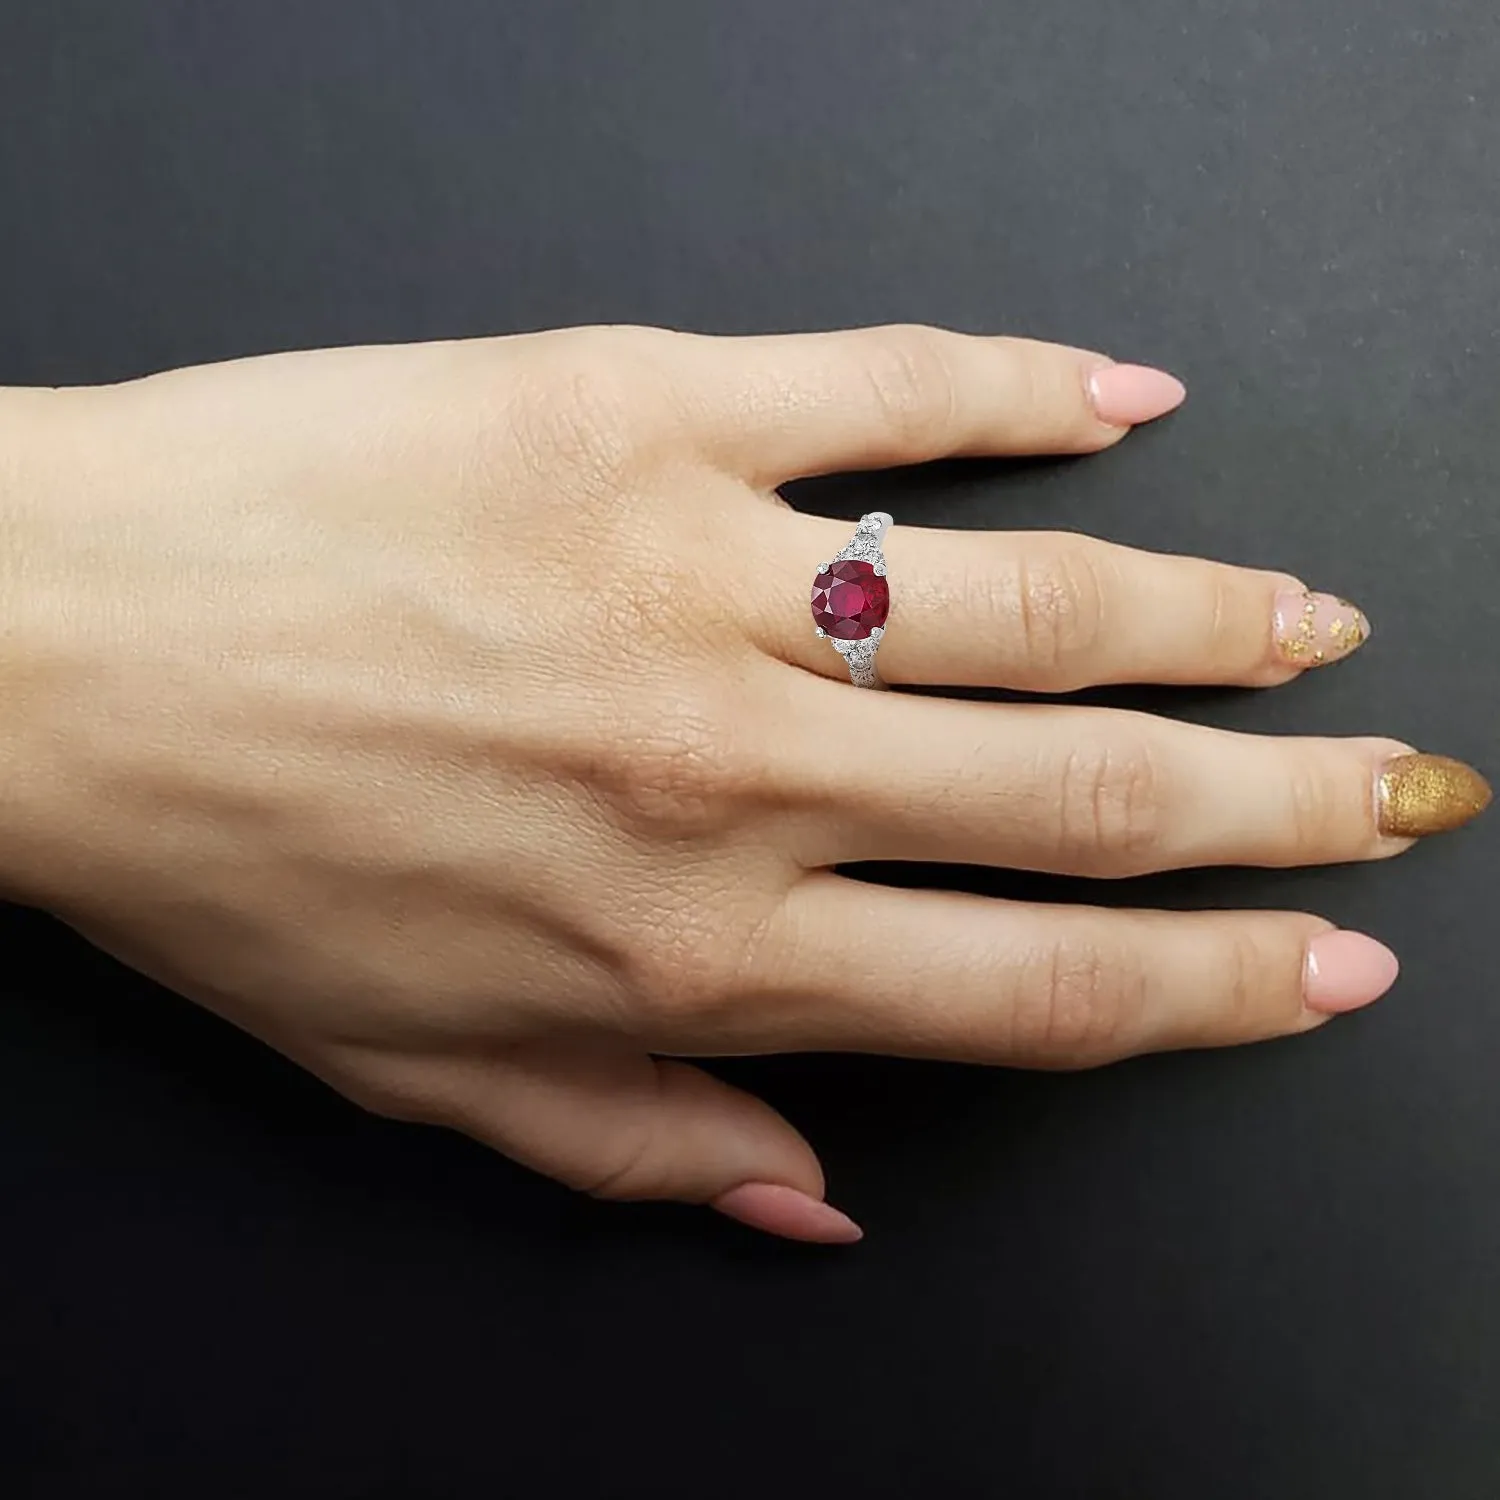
(1346, 970)
(1125, 395)
(785, 1211)
(1312, 630)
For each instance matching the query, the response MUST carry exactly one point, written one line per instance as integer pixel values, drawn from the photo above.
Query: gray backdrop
(1263, 1273)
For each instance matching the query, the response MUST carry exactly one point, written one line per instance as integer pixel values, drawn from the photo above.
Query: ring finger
(1041, 986)
(1051, 612)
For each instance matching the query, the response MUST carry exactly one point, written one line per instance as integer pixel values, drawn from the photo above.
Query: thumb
(624, 1125)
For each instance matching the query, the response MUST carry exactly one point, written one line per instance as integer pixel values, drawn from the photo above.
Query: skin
(450, 718)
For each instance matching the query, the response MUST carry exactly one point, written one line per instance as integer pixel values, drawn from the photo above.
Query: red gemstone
(850, 599)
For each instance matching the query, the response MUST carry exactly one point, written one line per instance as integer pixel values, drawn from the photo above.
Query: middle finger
(1105, 793)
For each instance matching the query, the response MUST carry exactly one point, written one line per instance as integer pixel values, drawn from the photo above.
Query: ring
(851, 599)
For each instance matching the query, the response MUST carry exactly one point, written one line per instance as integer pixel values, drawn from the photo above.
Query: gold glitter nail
(1423, 794)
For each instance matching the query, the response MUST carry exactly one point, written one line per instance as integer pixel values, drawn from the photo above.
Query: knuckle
(1044, 412)
(693, 972)
(584, 417)
(591, 394)
(1259, 993)
(912, 384)
(684, 977)
(632, 1173)
(1246, 985)
(682, 774)
(1319, 814)
(1231, 603)
(1226, 632)
(1080, 1005)
(1059, 600)
(1110, 807)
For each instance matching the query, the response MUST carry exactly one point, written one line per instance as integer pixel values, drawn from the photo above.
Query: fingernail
(1312, 630)
(1124, 395)
(787, 1212)
(1346, 970)
(1421, 794)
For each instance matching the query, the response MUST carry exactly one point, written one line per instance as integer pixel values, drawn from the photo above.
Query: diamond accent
(861, 663)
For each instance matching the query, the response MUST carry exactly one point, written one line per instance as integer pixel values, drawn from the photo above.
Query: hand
(451, 718)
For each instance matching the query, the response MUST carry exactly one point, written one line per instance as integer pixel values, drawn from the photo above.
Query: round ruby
(849, 600)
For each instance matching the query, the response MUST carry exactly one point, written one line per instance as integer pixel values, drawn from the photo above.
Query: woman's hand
(451, 717)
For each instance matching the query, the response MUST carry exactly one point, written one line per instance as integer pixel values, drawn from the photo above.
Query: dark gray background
(1263, 1273)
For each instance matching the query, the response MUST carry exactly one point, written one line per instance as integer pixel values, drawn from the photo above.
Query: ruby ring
(851, 599)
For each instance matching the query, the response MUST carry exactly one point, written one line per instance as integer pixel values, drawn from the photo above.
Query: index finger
(778, 408)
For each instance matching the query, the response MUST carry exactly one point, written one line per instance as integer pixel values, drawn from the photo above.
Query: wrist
(38, 431)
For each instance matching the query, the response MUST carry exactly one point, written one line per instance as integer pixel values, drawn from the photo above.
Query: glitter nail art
(1312, 630)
